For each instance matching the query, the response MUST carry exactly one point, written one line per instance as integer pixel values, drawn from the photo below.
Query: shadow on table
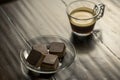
(86, 44)
(35, 76)
(6, 1)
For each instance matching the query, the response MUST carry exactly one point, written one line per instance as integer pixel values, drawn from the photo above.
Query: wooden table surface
(97, 56)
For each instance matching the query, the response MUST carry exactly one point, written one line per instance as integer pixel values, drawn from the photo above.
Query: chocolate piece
(37, 54)
(57, 48)
(50, 63)
(41, 47)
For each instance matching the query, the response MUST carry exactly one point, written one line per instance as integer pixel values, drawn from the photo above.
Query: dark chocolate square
(41, 48)
(57, 48)
(50, 62)
(37, 54)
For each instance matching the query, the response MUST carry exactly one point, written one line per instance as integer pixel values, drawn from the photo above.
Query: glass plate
(66, 62)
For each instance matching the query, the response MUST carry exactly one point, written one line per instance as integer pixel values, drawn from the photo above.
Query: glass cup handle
(101, 12)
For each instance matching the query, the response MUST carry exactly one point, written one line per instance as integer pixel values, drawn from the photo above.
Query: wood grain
(97, 56)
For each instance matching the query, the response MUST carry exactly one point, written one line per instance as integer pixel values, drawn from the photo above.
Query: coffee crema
(82, 20)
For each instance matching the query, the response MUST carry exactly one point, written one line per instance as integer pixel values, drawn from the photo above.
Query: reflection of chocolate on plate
(57, 48)
(50, 62)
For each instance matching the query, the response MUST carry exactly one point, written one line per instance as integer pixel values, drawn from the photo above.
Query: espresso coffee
(82, 21)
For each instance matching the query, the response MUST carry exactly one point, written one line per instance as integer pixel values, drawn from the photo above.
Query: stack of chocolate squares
(47, 59)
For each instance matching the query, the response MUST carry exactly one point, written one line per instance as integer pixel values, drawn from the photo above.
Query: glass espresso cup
(83, 16)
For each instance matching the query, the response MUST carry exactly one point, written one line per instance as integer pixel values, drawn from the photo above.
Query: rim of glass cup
(30, 67)
(95, 16)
